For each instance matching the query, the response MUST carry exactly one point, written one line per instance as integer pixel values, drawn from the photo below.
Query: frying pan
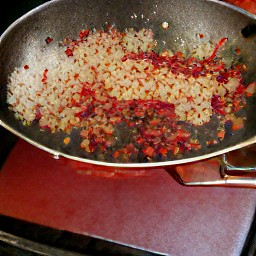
(65, 18)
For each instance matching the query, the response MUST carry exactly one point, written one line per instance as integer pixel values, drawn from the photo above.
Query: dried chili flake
(163, 152)
(83, 34)
(218, 45)
(237, 123)
(38, 113)
(250, 89)
(48, 40)
(66, 140)
(176, 150)
(69, 52)
(76, 76)
(149, 151)
(44, 79)
(222, 78)
(221, 134)
(116, 154)
(218, 105)
(237, 51)
(201, 36)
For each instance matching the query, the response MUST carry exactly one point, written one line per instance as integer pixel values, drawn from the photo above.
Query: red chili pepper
(218, 105)
(93, 68)
(38, 113)
(44, 76)
(218, 45)
(149, 151)
(83, 34)
(237, 51)
(26, 67)
(222, 78)
(116, 154)
(48, 40)
(163, 151)
(69, 52)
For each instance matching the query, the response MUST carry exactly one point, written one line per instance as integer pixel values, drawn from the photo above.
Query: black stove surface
(19, 237)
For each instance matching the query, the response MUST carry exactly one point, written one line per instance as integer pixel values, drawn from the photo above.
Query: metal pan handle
(230, 173)
(234, 169)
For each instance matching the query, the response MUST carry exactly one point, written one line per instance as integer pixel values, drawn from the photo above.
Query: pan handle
(218, 171)
(229, 172)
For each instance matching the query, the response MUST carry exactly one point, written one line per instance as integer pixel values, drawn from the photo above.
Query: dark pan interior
(65, 18)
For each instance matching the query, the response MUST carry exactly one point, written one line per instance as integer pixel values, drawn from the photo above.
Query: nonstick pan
(59, 19)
